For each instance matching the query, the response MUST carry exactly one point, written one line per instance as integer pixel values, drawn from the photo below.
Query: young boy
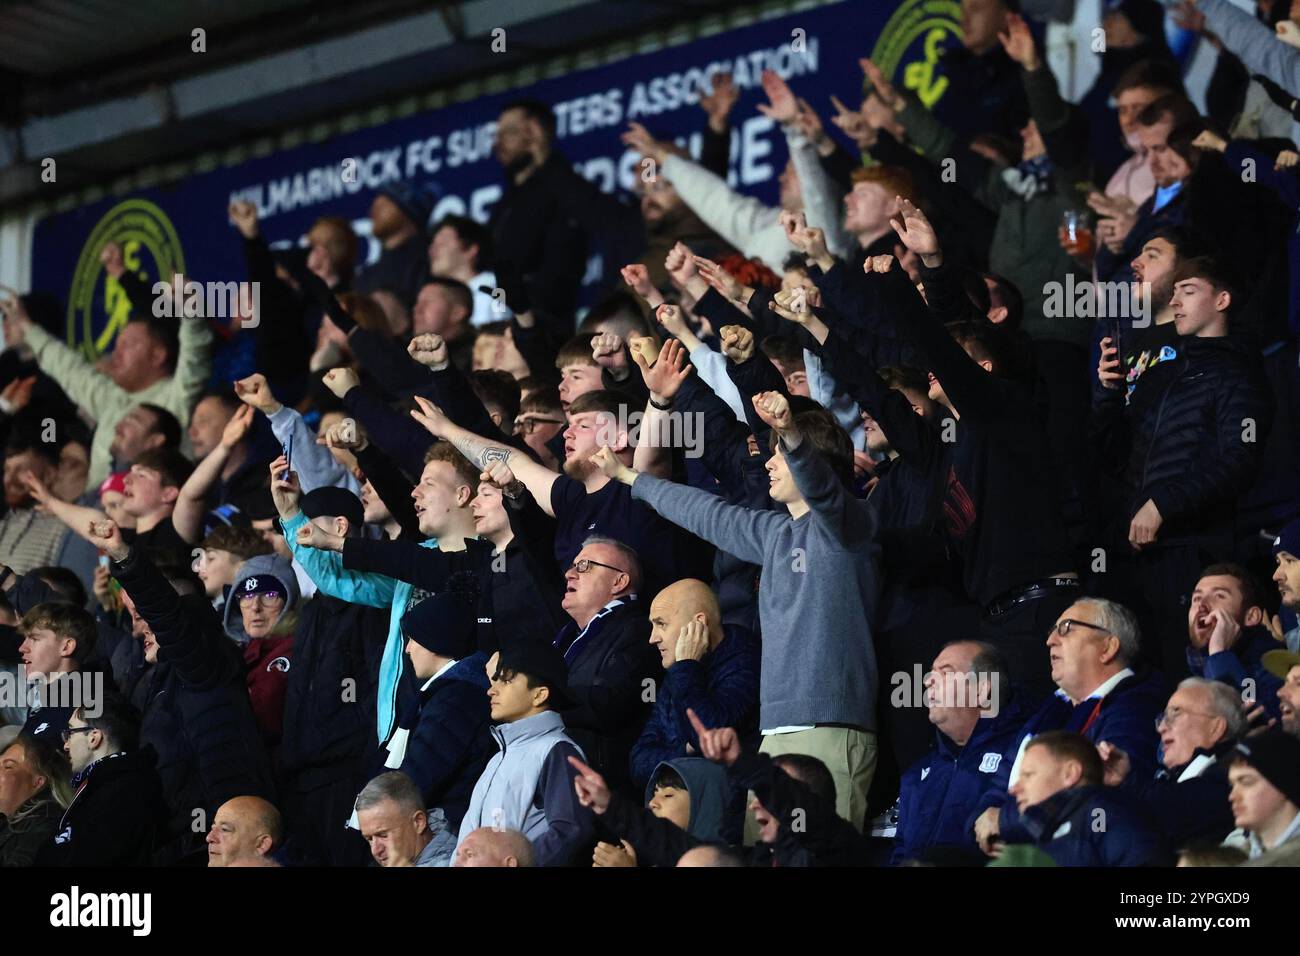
(528, 785)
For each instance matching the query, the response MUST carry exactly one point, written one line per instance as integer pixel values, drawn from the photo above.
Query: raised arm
(191, 502)
(739, 531)
(316, 467)
(323, 567)
(78, 518)
(89, 388)
(663, 377)
(971, 390)
(483, 452)
(827, 498)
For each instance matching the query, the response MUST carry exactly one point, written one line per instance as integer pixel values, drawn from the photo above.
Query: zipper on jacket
(1160, 411)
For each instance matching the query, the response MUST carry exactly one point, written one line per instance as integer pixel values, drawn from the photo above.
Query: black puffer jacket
(197, 715)
(114, 816)
(1190, 440)
(329, 723)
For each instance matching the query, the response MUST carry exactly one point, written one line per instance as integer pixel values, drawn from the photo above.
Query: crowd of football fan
(945, 513)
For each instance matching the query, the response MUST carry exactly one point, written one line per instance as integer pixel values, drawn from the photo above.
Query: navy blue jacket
(450, 742)
(1241, 667)
(113, 818)
(197, 714)
(1126, 718)
(722, 689)
(1095, 826)
(1188, 810)
(611, 667)
(939, 791)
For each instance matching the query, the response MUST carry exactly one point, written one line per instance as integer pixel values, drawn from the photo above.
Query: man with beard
(530, 228)
(583, 500)
(399, 214)
(150, 362)
(1154, 268)
(644, 232)
(1228, 640)
(1286, 549)
(28, 538)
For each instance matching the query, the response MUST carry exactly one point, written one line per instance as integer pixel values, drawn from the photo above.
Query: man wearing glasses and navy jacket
(1102, 693)
(613, 672)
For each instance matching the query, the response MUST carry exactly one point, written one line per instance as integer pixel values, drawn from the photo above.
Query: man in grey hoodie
(817, 692)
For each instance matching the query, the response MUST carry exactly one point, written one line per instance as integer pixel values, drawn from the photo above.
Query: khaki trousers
(850, 756)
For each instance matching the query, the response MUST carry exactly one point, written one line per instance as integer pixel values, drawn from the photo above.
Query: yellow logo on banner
(98, 310)
(914, 38)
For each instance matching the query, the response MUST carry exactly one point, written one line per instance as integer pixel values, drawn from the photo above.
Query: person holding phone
(1187, 443)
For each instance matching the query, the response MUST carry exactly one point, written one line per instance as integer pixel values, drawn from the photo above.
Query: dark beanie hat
(1146, 16)
(1276, 755)
(415, 200)
(331, 502)
(447, 622)
(1288, 540)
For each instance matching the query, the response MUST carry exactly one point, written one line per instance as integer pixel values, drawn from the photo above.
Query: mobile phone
(104, 561)
(288, 458)
(1116, 340)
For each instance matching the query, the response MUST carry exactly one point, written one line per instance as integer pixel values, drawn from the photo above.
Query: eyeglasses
(1063, 627)
(583, 565)
(69, 731)
(529, 425)
(1168, 717)
(266, 599)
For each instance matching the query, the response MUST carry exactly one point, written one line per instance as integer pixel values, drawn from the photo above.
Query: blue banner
(183, 227)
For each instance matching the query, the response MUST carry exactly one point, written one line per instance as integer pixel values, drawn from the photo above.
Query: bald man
(710, 855)
(709, 667)
(488, 847)
(244, 832)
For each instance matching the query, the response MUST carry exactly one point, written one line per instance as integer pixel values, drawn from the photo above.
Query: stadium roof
(106, 87)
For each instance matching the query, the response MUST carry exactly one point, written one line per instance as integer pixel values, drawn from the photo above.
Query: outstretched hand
(237, 427)
(1019, 43)
(721, 745)
(431, 417)
(916, 232)
(593, 792)
(664, 376)
(781, 105)
(888, 94)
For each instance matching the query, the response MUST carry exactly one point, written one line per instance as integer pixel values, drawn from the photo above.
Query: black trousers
(316, 820)
(1156, 584)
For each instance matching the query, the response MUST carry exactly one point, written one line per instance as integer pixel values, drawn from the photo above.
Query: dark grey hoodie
(706, 783)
